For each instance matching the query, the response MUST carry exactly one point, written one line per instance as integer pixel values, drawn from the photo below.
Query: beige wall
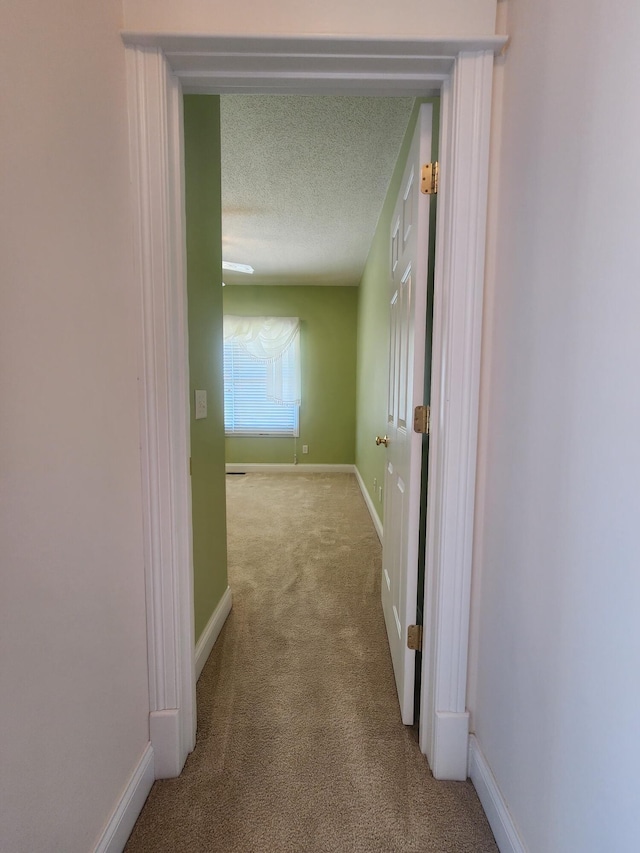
(555, 695)
(74, 701)
(309, 17)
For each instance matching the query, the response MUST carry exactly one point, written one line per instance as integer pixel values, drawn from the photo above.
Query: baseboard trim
(212, 630)
(129, 806)
(286, 468)
(370, 505)
(505, 832)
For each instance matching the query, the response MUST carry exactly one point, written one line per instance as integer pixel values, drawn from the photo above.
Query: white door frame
(159, 69)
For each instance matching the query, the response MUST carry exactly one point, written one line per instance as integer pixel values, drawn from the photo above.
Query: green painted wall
(373, 327)
(328, 331)
(204, 288)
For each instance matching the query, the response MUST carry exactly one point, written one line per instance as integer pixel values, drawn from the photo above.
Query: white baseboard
(212, 630)
(500, 821)
(370, 505)
(286, 468)
(125, 814)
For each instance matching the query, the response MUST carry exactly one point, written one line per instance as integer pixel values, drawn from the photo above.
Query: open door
(408, 314)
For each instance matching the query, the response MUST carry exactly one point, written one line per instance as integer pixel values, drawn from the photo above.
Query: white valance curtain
(276, 342)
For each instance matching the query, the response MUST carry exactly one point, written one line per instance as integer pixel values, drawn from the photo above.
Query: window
(261, 375)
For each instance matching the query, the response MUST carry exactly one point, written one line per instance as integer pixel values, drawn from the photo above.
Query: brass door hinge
(422, 419)
(430, 178)
(190, 467)
(414, 637)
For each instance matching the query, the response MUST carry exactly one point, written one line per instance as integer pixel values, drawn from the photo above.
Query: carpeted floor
(300, 745)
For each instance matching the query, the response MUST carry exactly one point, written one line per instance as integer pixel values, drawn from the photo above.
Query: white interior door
(407, 318)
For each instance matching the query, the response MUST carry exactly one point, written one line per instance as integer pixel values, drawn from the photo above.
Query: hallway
(300, 745)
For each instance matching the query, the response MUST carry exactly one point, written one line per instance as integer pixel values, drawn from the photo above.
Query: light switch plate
(201, 404)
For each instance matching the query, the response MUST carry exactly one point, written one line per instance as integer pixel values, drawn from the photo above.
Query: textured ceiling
(303, 182)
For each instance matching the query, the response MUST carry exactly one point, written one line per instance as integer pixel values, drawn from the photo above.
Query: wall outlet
(375, 484)
(380, 493)
(305, 448)
(201, 404)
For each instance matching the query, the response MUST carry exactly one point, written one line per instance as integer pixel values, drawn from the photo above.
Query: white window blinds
(261, 375)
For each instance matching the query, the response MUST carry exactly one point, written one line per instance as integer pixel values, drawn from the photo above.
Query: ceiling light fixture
(227, 265)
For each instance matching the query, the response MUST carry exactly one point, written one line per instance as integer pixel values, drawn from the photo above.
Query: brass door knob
(384, 440)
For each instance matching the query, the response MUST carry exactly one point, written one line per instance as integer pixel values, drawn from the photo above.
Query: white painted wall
(73, 702)
(555, 691)
(310, 17)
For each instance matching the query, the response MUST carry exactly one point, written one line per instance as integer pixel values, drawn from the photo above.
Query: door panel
(409, 242)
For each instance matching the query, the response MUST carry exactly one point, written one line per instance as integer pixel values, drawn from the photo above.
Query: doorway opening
(314, 226)
(157, 73)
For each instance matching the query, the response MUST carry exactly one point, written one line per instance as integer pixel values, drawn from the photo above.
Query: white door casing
(159, 69)
(157, 171)
(408, 254)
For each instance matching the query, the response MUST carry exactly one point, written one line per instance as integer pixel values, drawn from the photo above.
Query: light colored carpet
(300, 744)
